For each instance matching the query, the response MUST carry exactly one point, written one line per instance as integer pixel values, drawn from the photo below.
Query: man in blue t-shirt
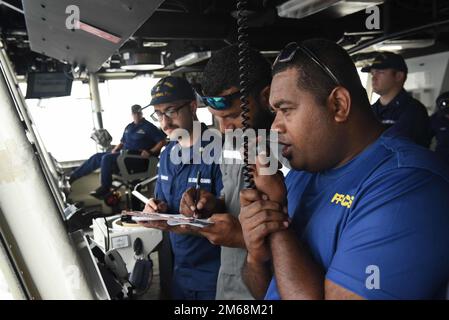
(196, 260)
(140, 136)
(368, 211)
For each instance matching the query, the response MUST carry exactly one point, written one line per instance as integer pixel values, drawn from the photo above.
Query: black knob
(138, 246)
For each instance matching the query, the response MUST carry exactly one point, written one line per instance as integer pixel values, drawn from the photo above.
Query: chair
(133, 169)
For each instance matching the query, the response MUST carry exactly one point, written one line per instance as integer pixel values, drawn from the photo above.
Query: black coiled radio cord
(242, 23)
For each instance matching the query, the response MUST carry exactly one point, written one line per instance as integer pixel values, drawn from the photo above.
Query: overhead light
(114, 70)
(143, 67)
(270, 53)
(192, 58)
(154, 44)
(112, 64)
(160, 74)
(398, 45)
(141, 60)
(115, 64)
(302, 8)
(387, 47)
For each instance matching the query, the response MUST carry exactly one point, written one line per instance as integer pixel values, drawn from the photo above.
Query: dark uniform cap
(136, 108)
(170, 89)
(387, 60)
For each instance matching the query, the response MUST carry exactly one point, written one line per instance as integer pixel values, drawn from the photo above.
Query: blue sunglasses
(220, 103)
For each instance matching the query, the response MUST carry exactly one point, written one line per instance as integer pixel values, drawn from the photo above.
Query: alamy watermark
(73, 20)
(372, 22)
(209, 148)
(373, 279)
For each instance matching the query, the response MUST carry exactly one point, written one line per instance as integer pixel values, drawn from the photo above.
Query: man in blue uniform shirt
(140, 136)
(196, 260)
(369, 211)
(396, 107)
(439, 123)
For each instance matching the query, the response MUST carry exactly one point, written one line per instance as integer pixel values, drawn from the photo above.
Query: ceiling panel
(48, 34)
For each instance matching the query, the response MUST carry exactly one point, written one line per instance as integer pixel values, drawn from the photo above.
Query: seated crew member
(140, 135)
(221, 83)
(196, 260)
(396, 107)
(369, 209)
(439, 123)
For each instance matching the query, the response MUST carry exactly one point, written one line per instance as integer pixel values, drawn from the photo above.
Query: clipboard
(172, 219)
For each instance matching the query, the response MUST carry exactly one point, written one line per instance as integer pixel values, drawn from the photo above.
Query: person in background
(396, 107)
(439, 123)
(140, 136)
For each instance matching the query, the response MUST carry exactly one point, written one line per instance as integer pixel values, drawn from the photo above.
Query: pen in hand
(197, 192)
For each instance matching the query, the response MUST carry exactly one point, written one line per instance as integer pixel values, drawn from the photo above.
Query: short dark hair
(222, 71)
(313, 79)
(136, 108)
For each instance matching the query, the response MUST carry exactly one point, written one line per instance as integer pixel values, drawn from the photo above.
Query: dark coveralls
(407, 116)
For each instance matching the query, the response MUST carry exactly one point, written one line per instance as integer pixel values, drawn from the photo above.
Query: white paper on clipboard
(172, 219)
(143, 216)
(199, 223)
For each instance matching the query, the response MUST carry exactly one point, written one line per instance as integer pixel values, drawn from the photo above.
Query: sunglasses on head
(288, 53)
(220, 103)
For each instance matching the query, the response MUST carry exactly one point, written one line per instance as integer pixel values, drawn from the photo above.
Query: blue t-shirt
(196, 260)
(141, 136)
(379, 225)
